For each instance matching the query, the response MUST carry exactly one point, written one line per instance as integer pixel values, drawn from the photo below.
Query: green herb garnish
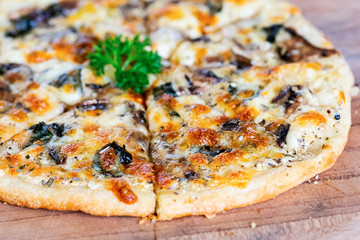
(130, 58)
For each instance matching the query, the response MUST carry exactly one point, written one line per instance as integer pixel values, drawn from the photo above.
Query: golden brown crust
(94, 200)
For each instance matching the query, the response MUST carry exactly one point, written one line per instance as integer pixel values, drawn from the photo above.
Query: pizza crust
(96, 201)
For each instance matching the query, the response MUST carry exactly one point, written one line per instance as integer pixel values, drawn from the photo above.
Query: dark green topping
(44, 133)
(232, 90)
(214, 6)
(49, 183)
(212, 151)
(111, 160)
(173, 113)
(166, 88)
(22, 167)
(130, 58)
(272, 31)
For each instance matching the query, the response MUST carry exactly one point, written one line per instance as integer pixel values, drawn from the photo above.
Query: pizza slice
(272, 36)
(92, 158)
(224, 138)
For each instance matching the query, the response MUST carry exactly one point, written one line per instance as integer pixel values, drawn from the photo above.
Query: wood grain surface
(326, 208)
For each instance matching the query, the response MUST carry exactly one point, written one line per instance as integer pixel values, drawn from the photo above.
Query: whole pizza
(164, 108)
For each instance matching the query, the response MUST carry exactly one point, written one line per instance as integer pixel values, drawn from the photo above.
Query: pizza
(165, 108)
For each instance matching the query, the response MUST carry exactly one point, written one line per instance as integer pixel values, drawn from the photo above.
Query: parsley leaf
(130, 58)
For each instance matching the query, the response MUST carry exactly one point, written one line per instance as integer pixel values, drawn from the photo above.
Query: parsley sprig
(130, 58)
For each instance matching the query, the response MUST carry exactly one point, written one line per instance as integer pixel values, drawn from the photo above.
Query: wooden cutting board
(326, 208)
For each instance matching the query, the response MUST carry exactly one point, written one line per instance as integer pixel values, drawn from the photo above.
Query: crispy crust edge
(95, 201)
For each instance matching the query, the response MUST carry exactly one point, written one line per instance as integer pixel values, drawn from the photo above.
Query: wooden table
(326, 209)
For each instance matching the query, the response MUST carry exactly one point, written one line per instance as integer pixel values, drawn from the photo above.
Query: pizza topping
(210, 151)
(244, 92)
(48, 183)
(232, 125)
(57, 156)
(205, 75)
(203, 38)
(73, 77)
(93, 104)
(166, 88)
(272, 31)
(14, 72)
(214, 6)
(43, 133)
(241, 62)
(5, 92)
(122, 191)
(281, 133)
(290, 97)
(173, 113)
(131, 60)
(298, 48)
(28, 22)
(139, 117)
(96, 86)
(111, 159)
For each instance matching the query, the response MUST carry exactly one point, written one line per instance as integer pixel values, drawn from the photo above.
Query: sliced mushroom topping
(28, 22)
(232, 125)
(57, 156)
(14, 72)
(214, 59)
(281, 133)
(206, 75)
(241, 62)
(299, 49)
(290, 97)
(5, 92)
(73, 77)
(166, 88)
(111, 160)
(93, 104)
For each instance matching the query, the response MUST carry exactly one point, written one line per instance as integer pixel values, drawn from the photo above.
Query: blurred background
(340, 21)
